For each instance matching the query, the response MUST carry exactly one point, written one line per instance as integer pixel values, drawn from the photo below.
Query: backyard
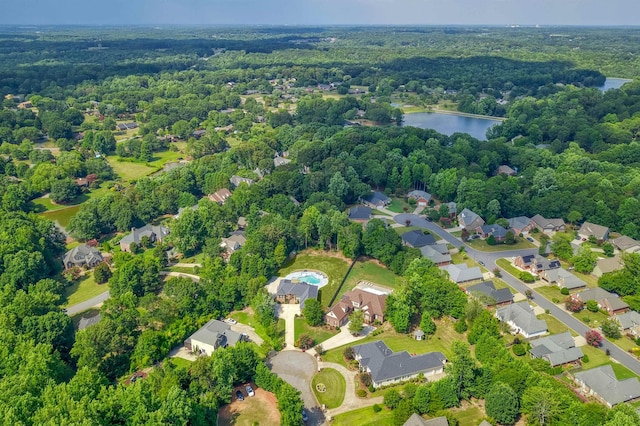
(371, 271)
(399, 205)
(83, 289)
(129, 170)
(329, 387)
(364, 417)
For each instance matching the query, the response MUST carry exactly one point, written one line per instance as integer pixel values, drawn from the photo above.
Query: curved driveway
(489, 259)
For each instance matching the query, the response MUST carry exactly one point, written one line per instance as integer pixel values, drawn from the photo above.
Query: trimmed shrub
(585, 359)
(376, 408)
(361, 393)
(518, 350)
(564, 291)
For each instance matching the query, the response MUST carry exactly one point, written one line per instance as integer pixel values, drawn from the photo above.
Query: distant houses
(280, 161)
(522, 319)
(487, 293)
(558, 349)
(506, 170)
(155, 233)
(212, 336)
(387, 367)
(602, 383)
(469, 220)
(82, 256)
(123, 127)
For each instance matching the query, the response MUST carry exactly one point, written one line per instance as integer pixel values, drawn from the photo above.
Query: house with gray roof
(155, 233)
(558, 349)
(82, 256)
(602, 383)
(377, 200)
(417, 420)
(295, 292)
(495, 230)
(562, 278)
(487, 293)
(612, 303)
(548, 226)
(629, 323)
(233, 242)
(520, 225)
(387, 367)
(607, 264)
(417, 238)
(535, 263)
(588, 229)
(360, 213)
(213, 335)
(522, 319)
(422, 197)
(626, 244)
(435, 255)
(88, 321)
(280, 161)
(469, 220)
(461, 273)
(237, 180)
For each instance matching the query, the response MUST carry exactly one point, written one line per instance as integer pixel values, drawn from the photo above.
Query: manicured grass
(404, 229)
(128, 170)
(481, 245)
(551, 292)
(458, 258)
(456, 234)
(318, 334)
(161, 158)
(364, 417)
(83, 289)
(596, 356)
(398, 205)
(373, 272)
(625, 343)
(378, 212)
(469, 416)
(181, 362)
(553, 324)
(595, 318)
(334, 384)
(507, 266)
(335, 268)
(247, 318)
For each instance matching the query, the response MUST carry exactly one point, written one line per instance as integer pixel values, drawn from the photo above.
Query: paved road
(489, 259)
(87, 304)
(297, 369)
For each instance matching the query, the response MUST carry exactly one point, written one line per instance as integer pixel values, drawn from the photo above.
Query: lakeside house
(602, 383)
(213, 335)
(558, 349)
(387, 367)
(82, 256)
(522, 319)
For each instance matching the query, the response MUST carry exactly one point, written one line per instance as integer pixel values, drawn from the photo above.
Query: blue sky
(311, 12)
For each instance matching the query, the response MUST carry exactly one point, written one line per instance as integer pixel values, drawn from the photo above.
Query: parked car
(231, 321)
(304, 415)
(249, 390)
(239, 395)
(481, 262)
(530, 239)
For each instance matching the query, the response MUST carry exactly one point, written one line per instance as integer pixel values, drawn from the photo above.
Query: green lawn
(373, 272)
(182, 269)
(469, 416)
(481, 245)
(507, 266)
(398, 205)
(551, 292)
(378, 213)
(595, 319)
(83, 289)
(161, 158)
(247, 318)
(458, 258)
(318, 334)
(596, 356)
(335, 268)
(181, 362)
(128, 170)
(554, 325)
(334, 384)
(364, 417)
(404, 229)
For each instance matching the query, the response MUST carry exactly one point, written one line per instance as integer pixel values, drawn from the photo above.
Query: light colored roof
(609, 264)
(416, 420)
(301, 290)
(280, 161)
(416, 194)
(507, 170)
(625, 243)
(215, 331)
(558, 349)
(435, 255)
(237, 180)
(82, 255)
(563, 277)
(602, 380)
(462, 273)
(629, 319)
(519, 222)
(602, 296)
(541, 222)
(88, 321)
(598, 231)
(523, 316)
(146, 231)
(440, 248)
(467, 218)
(220, 195)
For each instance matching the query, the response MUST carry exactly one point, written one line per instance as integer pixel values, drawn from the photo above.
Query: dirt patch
(259, 409)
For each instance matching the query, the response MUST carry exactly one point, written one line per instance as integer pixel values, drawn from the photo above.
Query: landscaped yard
(481, 245)
(83, 289)
(399, 205)
(128, 170)
(334, 267)
(507, 266)
(554, 325)
(329, 386)
(318, 334)
(246, 317)
(469, 416)
(373, 272)
(364, 417)
(181, 362)
(551, 292)
(592, 319)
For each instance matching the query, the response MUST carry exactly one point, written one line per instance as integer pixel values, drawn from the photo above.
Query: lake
(448, 124)
(613, 83)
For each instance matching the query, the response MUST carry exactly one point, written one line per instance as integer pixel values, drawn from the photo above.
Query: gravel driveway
(297, 369)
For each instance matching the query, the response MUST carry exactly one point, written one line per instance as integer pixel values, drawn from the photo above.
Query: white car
(249, 390)
(231, 321)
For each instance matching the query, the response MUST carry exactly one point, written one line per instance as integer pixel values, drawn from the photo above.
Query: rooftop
(603, 381)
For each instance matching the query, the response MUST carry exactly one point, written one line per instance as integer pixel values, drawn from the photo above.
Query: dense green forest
(225, 102)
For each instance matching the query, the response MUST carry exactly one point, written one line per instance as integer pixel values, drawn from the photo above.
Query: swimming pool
(310, 277)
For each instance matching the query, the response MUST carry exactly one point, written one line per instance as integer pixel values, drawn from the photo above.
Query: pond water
(613, 83)
(448, 124)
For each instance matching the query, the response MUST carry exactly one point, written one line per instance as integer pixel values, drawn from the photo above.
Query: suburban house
(422, 197)
(562, 278)
(155, 233)
(626, 244)
(461, 273)
(237, 180)
(377, 200)
(558, 349)
(213, 335)
(522, 319)
(417, 238)
(602, 383)
(387, 367)
(295, 292)
(372, 305)
(181, 210)
(88, 321)
(535, 263)
(607, 264)
(520, 225)
(416, 420)
(548, 226)
(487, 293)
(82, 256)
(588, 229)
(469, 220)
(360, 214)
(506, 170)
(495, 230)
(280, 161)
(629, 323)
(234, 242)
(606, 301)
(437, 256)
(220, 196)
